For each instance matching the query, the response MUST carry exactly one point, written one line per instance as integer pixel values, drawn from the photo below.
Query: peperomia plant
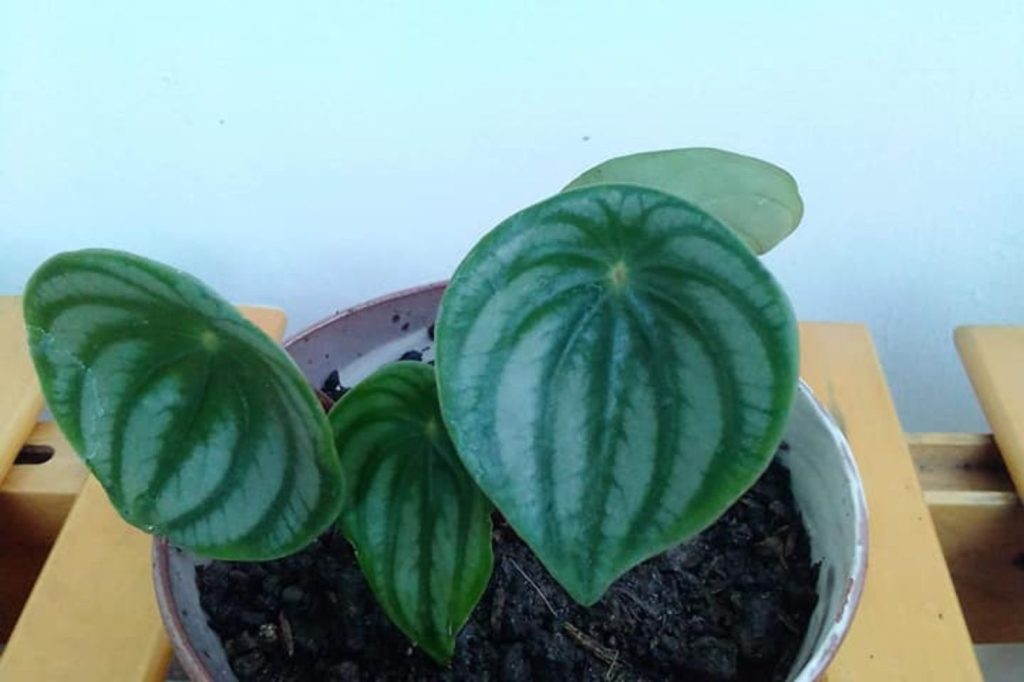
(615, 367)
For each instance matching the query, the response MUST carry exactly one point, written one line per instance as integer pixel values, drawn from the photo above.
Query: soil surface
(731, 604)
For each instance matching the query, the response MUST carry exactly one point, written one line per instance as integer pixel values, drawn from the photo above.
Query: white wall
(316, 156)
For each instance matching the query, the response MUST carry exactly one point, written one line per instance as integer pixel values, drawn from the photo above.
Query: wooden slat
(982, 536)
(980, 523)
(92, 614)
(909, 625)
(35, 500)
(958, 462)
(994, 360)
(20, 398)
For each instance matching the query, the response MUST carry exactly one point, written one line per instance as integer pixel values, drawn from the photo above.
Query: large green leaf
(420, 525)
(615, 368)
(759, 201)
(200, 428)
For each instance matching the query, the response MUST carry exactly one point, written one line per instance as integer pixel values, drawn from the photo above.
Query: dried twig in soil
(609, 656)
(286, 633)
(535, 586)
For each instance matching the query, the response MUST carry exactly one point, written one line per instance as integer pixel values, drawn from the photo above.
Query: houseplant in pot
(614, 370)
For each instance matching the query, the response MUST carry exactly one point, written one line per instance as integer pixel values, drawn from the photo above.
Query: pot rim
(181, 645)
(813, 669)
(817, 665)
(439, 285)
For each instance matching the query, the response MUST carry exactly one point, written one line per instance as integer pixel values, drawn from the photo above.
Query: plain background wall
(315, 155)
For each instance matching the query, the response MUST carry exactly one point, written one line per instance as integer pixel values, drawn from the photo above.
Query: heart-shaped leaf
(420, 525)
(199, 427)
(615, 368)
(759, 201)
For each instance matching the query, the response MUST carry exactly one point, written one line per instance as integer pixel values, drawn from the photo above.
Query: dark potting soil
(731, 604)
(332, 386)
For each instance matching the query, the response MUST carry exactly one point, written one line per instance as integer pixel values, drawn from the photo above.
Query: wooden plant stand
(76, 598)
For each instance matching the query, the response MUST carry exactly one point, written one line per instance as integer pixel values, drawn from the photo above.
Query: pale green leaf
(759, 201)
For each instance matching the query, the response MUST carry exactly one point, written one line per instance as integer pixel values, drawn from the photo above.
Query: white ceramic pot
(823, 474)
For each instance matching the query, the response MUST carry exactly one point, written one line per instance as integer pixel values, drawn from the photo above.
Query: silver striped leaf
(420, 526)
(615, 368)
(200, 428)
(759, 201)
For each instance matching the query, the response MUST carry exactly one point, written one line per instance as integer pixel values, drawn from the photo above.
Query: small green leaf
(200, 428)
(420, 526)
(615, 368)
(759, 201)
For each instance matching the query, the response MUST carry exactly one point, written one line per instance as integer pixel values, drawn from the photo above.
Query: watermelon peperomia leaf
(758, 200)
(615, 369)
(420, 525)
(200, 428)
